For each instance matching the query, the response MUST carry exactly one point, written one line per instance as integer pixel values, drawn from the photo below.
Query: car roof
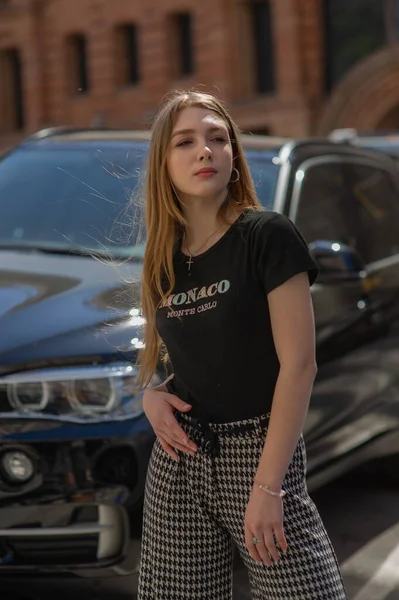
(383, 140)
(269, 146)
(61, 135)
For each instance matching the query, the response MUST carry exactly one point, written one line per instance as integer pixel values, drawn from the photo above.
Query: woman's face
(200, 155)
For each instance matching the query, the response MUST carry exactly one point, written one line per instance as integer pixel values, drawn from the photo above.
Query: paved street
(363, 520)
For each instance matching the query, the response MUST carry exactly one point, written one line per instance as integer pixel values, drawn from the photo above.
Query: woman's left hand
(264, 521)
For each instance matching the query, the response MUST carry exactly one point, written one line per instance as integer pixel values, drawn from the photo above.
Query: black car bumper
(80, 511)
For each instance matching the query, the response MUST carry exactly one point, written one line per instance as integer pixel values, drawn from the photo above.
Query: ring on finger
(256, 541)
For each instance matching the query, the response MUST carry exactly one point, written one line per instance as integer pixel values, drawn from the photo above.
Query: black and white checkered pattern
(194, 508)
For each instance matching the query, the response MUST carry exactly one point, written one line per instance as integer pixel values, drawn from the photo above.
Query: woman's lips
(206, 173)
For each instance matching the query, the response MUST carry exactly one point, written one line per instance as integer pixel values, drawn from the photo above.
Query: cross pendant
(190, 262)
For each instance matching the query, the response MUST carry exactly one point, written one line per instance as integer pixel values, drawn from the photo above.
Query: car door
(325, 208)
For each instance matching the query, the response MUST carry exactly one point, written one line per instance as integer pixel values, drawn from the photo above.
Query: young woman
(226, 292)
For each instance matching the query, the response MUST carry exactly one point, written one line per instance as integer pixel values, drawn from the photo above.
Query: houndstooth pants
(194, 508)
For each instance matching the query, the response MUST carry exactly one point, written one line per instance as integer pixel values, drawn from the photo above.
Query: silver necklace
(190, 256)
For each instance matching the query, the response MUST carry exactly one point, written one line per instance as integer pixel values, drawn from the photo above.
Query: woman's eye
(219, 139)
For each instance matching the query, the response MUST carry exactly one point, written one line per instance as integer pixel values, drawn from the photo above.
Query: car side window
(264, 174)
(377, 199)
(325, 208)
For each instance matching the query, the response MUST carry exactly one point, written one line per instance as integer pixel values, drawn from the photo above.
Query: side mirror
(337, 262)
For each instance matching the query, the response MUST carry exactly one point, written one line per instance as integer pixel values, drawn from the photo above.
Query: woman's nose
(205, 152)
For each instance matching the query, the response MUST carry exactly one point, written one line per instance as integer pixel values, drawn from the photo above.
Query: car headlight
(92, 395)
(92, 391)
(30, 396)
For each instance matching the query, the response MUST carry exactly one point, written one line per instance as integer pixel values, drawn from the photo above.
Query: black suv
(74, 443)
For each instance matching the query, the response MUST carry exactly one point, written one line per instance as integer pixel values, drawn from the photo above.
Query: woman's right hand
(159, 407)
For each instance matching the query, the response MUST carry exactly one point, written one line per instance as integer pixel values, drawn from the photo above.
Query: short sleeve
(280, 252)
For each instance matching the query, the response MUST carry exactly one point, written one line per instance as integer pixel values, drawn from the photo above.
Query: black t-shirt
(216, 324)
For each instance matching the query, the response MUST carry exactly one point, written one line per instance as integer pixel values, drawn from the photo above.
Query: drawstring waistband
(206, 435)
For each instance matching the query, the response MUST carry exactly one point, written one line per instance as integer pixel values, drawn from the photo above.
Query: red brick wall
(39, 28)
(312, 55)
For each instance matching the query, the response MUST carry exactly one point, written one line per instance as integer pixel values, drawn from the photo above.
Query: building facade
(285, 67)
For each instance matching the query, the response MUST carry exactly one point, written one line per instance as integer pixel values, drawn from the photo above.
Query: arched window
(354, 29)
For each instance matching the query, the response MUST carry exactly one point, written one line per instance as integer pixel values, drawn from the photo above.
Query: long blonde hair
(164, 220)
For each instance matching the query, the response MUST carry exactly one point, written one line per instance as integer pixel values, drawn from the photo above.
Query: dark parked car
(74, 443)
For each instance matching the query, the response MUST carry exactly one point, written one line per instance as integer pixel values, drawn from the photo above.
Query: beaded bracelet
(266, 489)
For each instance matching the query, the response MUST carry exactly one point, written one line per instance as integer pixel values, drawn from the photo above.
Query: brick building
(288, 67)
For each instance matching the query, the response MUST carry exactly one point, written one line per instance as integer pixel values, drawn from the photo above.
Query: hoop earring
(237, 178)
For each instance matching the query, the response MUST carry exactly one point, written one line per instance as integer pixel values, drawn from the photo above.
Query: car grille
(54, 551)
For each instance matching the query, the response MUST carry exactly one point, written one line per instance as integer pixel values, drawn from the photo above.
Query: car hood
(55, 307)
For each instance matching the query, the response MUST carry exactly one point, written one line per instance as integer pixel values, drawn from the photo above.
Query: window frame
(344, 160)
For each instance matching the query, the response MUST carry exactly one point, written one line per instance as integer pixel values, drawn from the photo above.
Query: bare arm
(292, 320)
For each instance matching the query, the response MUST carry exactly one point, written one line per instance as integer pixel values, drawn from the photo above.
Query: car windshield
(85, 199)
